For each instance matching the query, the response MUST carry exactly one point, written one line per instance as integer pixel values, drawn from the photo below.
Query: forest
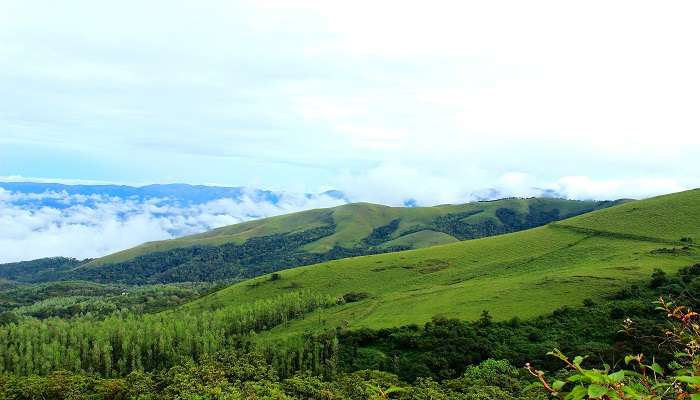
(223, 354)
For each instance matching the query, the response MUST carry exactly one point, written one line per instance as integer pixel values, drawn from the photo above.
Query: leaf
(618, 376)
(575, 378)
(629, 359)
(596, 391)
(394, 389)
(656, 368)
(595, 376)
(578, 360)
(578, 393)
(533, 385)
(558, 385)
(692, 380)
(695, 396)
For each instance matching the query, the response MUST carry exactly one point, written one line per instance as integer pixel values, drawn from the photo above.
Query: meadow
(522, 274)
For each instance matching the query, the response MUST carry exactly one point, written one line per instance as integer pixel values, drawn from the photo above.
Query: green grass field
(354, 222)
(523, 274)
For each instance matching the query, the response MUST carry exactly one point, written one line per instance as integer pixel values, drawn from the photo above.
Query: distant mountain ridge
(185, 193)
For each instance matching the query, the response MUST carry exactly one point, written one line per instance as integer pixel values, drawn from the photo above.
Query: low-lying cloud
(87, 226)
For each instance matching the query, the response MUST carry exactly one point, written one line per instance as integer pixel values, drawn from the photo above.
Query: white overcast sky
(385, 100)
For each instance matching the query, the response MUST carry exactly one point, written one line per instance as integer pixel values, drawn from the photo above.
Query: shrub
(658, 279)
(617, 313)
(644, 380)
(352, 297)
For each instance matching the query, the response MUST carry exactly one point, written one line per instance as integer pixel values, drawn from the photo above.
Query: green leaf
(394, 389)
(595, 376)
(618, 376)
(630, 391)
(575, 378)
(596, 391)
(629, 359)
(578, 360)
(656, 368)
(692, 380)
(578, 393)
(558, 385)
(695, 396)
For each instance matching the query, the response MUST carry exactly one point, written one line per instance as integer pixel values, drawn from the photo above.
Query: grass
(523, 274)
(353, 222)
(417, 240)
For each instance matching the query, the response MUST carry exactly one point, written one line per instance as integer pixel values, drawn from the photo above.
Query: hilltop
(522, 274)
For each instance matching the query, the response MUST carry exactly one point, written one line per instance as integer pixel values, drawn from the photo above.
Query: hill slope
(249, 249)
(521, 274)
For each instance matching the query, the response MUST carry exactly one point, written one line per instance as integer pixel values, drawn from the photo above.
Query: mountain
(522, 274)
(256, 247)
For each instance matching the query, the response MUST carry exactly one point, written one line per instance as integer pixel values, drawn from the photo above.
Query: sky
(385, 100)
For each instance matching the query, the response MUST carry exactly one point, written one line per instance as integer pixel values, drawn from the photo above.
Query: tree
(485, 320)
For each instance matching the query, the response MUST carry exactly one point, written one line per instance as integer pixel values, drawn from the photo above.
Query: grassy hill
(254, 248)
(354, 222)
(522, 274)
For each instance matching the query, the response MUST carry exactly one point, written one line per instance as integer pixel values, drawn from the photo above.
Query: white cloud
(582, 187)
(394, 183)
(93, 226)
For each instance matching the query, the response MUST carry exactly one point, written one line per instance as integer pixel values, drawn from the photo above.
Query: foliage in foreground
(642, 379)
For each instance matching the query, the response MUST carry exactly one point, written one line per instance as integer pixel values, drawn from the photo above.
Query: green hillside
(521, 274)
(254, 248)
(354, 222)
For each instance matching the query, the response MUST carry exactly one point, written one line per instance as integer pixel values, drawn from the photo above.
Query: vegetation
(356, 222)
(228, 375)
(645, 378)
(446, 359)
(523, 274)
(41, 270)
(124, 342)
(255, 248)
(68, 299)
(456, 321)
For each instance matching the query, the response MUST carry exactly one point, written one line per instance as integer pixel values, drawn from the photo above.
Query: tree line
(125, 342)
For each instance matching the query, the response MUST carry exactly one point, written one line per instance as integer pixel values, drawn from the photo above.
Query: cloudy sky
(385, 100)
